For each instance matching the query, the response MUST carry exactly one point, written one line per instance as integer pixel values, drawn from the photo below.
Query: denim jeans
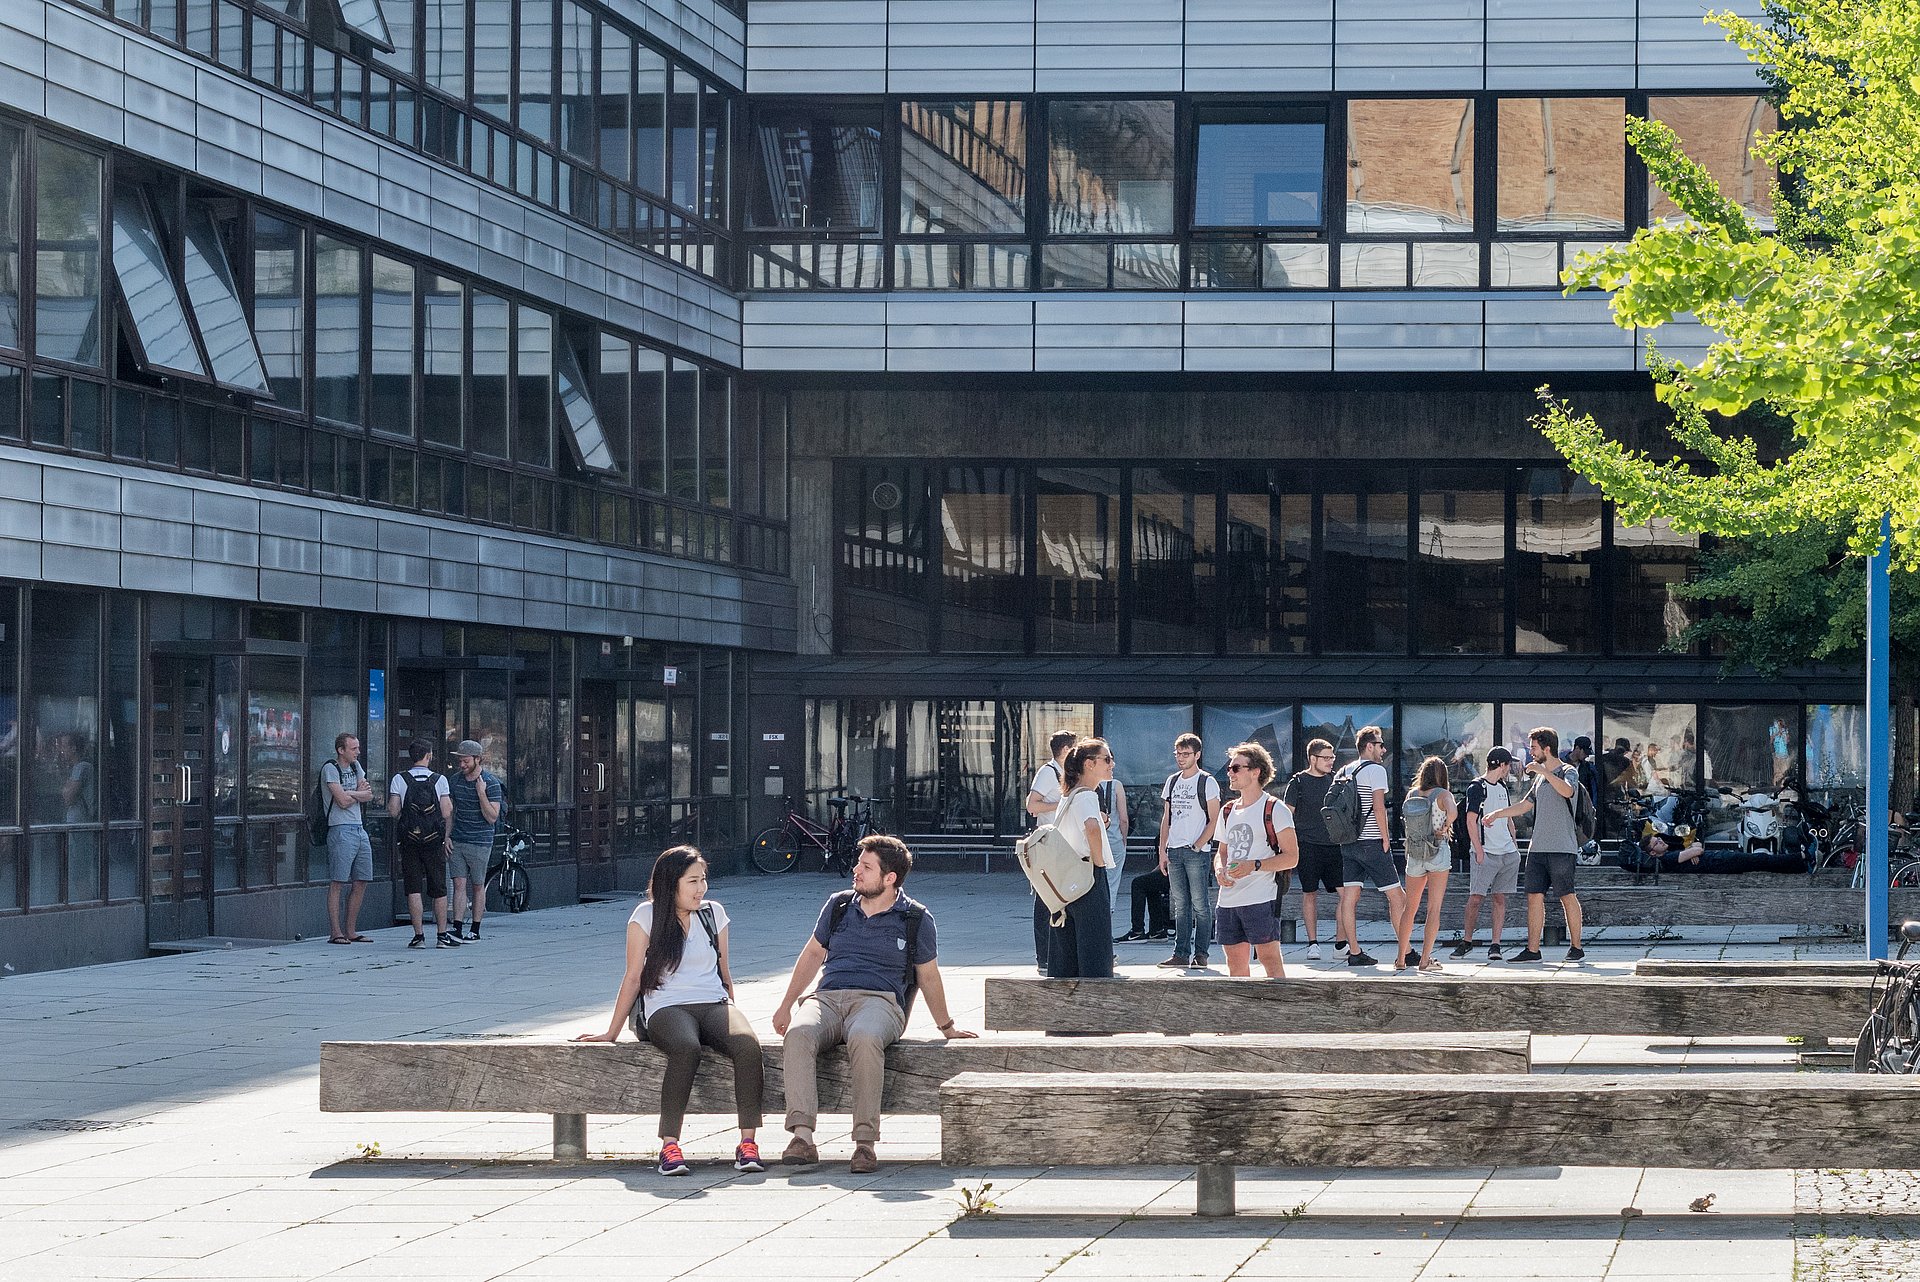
(1195, 894)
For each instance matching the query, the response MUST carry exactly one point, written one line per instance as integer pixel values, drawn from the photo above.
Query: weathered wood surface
(1428, 1004)
(1737, 1121)
(1689, 968)
(1679, 900)
(516, 1076)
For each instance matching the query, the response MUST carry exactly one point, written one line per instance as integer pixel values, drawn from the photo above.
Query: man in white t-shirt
(423, 836)
(1495, 869)
(1257, 846)
(1369, 856)
(1190, 811)
(1043, 798)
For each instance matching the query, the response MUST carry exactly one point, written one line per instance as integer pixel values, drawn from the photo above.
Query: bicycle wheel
(515, 888)
(1866, 1048)
(775, 850)
(1907, 876)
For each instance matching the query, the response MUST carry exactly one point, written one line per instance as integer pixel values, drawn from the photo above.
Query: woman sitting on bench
(677, 975)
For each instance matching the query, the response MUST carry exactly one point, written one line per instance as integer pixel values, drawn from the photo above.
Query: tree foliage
(1818, 324)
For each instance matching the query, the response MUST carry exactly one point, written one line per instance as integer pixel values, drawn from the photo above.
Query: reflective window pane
(445, 40)
(147, 287)
(816, 168)
(1025, 728)
(336, 342)
(1446, 265)
(1174, 560)
(650, 121)
(1649, 561)
(982, 542)
(1222, 725)
(1525, 265)
(367, 18)
(683, 127)
(1460, 545)
(1267, 561)
(1077, 560)
(1457, 733)
(714, 112)
(1750, 747)
(716, 437)
(1562, 164)
(1254, 167)
(1568, 720)
(613, 397)
(1718, 132)
(279, 297)
(446, 345)
(393, 346)
(1836, 747)
(1363, 561)
(1141, 736)
(10, 758)
(1340, 724)
(533, 389)
(215, 298)
(649, 419)
(1364, 265)
(884, 546)
(493, 56)
(10, 149)
(1110, 167)
(1292, 266)
(62, 785)
(612, 108)
(1646, 748)
(1556, 551)
(66, 256)
(534, 60)
(950, 783)
(576, 89)
(963, 166)
(1410, 166)
(586, 438)
(489, 386)
(683, 430)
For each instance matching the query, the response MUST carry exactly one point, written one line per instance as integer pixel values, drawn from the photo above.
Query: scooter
(1760, 823)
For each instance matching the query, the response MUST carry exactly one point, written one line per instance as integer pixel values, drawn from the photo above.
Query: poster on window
(1836, 746)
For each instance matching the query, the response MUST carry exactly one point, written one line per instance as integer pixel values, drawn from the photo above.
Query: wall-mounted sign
(773, 738)
(670, 676)
(720, 736)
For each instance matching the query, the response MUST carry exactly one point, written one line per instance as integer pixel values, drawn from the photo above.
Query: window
(1649, 562)
(713, 154)
(163, 341)
(1457, 733)
(336, 321)
(1340, 724)
(1174, 560)
(1562, 164)
(1410, 166)
(1745, 745)
(716, 437)
(586, 438)
(613, 397)
(1836, 744)
(683, 430)
(492, 55)
(1077, 560)
(279, 306)
(67, 284)
(367, 18)
(683, 123)
(650, 121)
(64, 658)
(818, 168)
(1719, 132)
(950, 780)
(1557, 535)
(533, 388)
(576, 90)
(1267, 561)
(1569, 721)
(612, 107)
(445, 41)
(489, 389)
(534, 59)
(394, 346)
(1110, 168)
(9, 239)
(1363, 563)
(982, 559)
(883, 559)
(1258, 167)
(10, 757)
(1658, 756)
(444, 357)
(1460, 545)
(649, 419)
(963, 167)
(215, 299)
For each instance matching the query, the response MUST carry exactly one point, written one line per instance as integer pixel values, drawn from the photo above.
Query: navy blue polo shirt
(870, 952)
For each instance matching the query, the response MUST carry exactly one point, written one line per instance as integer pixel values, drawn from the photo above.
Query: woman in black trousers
(1083, 947)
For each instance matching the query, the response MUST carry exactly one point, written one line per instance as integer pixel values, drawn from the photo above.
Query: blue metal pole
(1879, 739)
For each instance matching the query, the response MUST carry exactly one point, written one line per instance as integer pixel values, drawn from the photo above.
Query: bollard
(1213, 1189)
(1289, 931)
(1553, 934)
(569, 1137)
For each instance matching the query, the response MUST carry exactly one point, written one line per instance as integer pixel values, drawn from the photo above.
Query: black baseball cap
(1583, 743)
(1498, 757)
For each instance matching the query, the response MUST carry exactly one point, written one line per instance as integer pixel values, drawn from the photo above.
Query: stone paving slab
(221, 1165)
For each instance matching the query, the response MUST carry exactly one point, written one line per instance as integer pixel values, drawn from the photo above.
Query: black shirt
(1305, 793)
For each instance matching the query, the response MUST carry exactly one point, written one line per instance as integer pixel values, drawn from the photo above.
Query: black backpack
(320, 809)
(420, 823)
(1344, 811)
(637, 1018)
(914, 910)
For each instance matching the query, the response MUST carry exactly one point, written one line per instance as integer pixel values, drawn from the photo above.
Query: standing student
(1495, 870)
(1189, 813)
(1319, 867)
(1551, 856)
(477, 800)
(1043, 798)
(1368, 858)
(1082, 948)
(349, 850)
(422, 810)
(1429, 862)
(1257, 847)
(677, 972)
(1113, 810)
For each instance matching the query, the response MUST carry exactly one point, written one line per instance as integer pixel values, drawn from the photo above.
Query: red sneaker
(746, 1157)
(672, 1160)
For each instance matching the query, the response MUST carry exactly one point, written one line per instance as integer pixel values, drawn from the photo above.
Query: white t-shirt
(397, 786)
(1187, 813)
(1368, 777)
(1496, 838)
(696, 980)
(1245, 833)
(1070, 816)
(1046, 782)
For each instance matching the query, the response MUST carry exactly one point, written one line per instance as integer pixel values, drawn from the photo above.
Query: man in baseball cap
(1495, 870)
(478, 799)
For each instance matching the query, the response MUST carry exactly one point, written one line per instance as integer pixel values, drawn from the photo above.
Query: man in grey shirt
(1550, 857)
(349, 851)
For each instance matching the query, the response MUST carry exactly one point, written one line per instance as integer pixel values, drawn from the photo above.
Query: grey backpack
(1418, 814)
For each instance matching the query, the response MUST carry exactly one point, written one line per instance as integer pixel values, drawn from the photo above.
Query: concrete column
(569, 1137)
(1213, 1187)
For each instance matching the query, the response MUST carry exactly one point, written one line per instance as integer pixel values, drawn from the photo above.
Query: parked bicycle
(778, 848)
(1890, 1039)
(505, 872)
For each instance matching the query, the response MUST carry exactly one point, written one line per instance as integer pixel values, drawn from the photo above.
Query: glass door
(179, 786)
(595, 785)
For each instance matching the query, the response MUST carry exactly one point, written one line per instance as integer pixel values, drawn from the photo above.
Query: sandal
(338, 939)
(1431, 966)
(361, 939)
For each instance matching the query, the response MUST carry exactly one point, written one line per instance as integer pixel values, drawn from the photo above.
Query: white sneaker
(1313, 951)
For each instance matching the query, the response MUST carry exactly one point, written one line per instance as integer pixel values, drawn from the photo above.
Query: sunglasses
(1234, 767)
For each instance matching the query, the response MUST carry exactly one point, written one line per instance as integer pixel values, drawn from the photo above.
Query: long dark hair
(667, 938)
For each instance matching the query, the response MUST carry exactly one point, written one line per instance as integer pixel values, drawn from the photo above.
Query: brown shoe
(864, 1162)
(800, 1152)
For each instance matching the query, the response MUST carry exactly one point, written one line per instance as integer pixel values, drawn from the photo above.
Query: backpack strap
(1273, 838)
(707, 919)
(911, 979)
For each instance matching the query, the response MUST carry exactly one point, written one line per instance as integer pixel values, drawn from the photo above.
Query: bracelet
(941, 1028)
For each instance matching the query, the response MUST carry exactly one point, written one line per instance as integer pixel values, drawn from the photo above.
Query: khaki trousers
(866, 1023)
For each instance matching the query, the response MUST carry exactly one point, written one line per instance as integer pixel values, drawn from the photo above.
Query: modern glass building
(705, 402)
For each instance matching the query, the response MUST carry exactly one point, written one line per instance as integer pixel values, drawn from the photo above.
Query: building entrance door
(179, 792)
(418, 710)
(595, 785)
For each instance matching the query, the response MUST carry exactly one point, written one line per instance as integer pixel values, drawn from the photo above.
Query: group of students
(872, 952)
(1225, 853)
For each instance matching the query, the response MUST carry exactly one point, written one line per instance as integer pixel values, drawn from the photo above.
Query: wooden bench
(1735, 1121)
(572, 1079)
(1688, 968)
(1543, 1005)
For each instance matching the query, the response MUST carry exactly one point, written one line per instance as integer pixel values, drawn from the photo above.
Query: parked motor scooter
(1760, 823)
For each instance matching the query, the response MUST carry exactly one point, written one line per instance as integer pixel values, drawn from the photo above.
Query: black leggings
(679, 1032)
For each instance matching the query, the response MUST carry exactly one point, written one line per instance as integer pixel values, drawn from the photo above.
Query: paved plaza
(161, 1121)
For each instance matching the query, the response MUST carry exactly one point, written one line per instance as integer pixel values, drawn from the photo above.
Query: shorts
(469, 861)
(1550, 873)
(1362, 862)
(349, 853)
(1442, 861)
(1248, 924)
(423, 870)
(1319, 867)
(1497, 874)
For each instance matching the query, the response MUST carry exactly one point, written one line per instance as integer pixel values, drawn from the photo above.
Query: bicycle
(1889, 1041)
(778, 848)
(506, 874)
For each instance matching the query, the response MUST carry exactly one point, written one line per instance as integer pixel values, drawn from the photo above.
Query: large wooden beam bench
(1541, 1004)
(1732, 1121)
(572, 1079)
(1690, 968)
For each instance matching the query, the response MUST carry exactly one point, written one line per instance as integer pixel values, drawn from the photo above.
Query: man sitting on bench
(873, 950)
